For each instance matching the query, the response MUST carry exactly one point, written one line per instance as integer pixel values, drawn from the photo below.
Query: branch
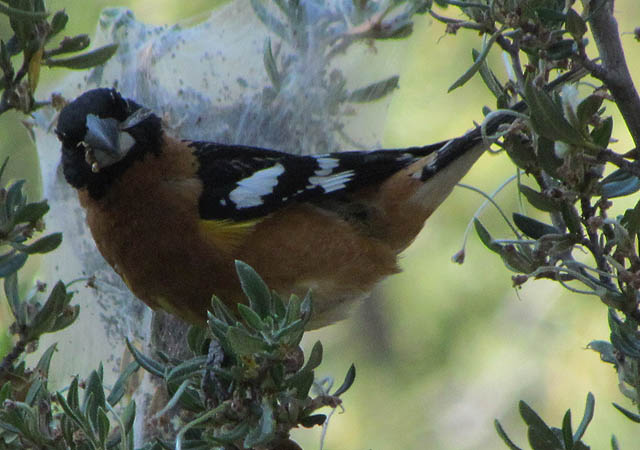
(616, 72)
(617, 160)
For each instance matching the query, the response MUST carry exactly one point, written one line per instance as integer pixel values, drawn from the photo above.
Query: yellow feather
(226, 235)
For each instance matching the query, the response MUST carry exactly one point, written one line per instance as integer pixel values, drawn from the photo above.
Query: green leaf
(279, 308)
(313, 420)
(271, 66)
(218, 328)
(119, 388)
(623, 336)
(540, 440)
(306, 307)
(315, 358)
(264, 431)
(190, 368)
(614, 443)
(601, 134)
(503, 435)
(475, 67)
(567, 431)
(13, 297)
(11, 262)
(39, 6)
(70, 412)
(5, 392)
(72, 44)
(588, 108)
(251, 317)
(589, 408)
(348, 381)
(571, 219)
(86, 60)
(93, 397)
(533, 228)
(6, 160)
(516, 260)
(35, 392)
(562, 49)
(43, 245)
(128, 416)
(374, 91)
(549, 16)
(186, 396)
(66, 318)
(290, 332)
(489, 78)
(576, 26)
(54, 304)
(31, 212)
(16, 13)
(547, 117)
(619, 183)
(630, 415)
(549, 162)
(521, 152)
(539, 432)
(73, 397)
(198, 339)
(301, 382)
(269, 20)
(486, 238)
(630, 220)
(44, 363)
(244, 344)
(255, 289)
(221, 311)
(103, 425)
(606, 350)
(293, 309)
(46, 316)
(538, 199)
(149, 364)
(15, 197)
(59, 21)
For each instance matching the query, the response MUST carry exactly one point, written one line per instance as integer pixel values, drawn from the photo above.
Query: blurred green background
(441, 349)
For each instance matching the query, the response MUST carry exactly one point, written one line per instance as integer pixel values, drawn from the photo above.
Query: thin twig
(457, 22)
(619, 161)
(7, 361)
(592, 243)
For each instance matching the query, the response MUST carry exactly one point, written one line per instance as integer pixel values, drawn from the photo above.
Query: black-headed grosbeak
(172, 216)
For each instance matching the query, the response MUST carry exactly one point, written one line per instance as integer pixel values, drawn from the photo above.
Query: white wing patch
(331, 183)
(327, 165)
(250, 190)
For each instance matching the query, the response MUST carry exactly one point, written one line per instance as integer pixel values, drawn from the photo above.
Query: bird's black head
(102, 135)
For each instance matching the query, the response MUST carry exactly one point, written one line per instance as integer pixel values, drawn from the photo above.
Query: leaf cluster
(248, 384)
(19, 221)
(568, 229)
(31, 416)
(36, 418)
(33, 29)
(544, 437)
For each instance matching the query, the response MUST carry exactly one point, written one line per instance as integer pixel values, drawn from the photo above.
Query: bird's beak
(105, 142)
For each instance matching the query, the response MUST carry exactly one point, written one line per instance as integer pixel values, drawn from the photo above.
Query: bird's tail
(415, 192)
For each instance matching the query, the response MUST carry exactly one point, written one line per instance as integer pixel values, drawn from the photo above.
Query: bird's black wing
(244, 183)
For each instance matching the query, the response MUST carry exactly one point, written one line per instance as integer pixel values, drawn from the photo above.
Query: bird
(172, 216)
